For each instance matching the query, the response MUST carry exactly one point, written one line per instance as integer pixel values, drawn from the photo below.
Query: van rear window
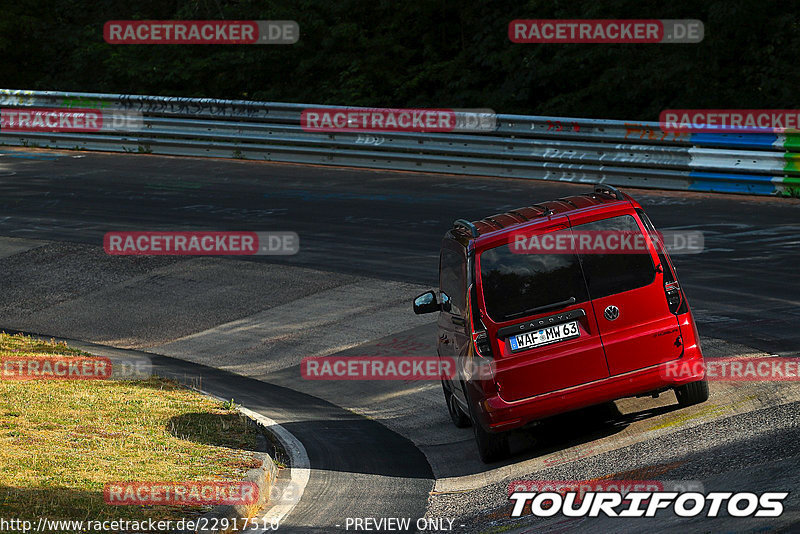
(607, 274)
(513, 283)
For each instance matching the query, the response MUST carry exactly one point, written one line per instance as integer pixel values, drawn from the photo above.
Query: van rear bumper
(500, 415)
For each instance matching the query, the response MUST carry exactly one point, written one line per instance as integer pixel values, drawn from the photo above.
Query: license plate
(545, 336)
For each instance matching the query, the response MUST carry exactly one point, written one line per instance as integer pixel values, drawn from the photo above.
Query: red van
(537, 332)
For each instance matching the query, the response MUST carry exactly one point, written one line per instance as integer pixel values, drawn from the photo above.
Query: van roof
(603, 195)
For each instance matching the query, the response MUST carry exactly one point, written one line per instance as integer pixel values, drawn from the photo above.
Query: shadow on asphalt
(575, 430)
(336, 439)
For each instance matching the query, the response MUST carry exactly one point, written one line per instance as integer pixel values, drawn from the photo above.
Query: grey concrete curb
(223, 517)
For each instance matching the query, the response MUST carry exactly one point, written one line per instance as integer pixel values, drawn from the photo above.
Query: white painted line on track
(300, 469)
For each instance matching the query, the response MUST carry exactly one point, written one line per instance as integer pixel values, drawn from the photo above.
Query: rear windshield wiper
(546, 307)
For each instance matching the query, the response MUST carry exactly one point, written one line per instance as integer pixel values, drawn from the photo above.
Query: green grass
(62, 441)
(791, 191)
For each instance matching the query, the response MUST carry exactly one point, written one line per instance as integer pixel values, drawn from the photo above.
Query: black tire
(459, 418)
(491, 446)
(692, 393)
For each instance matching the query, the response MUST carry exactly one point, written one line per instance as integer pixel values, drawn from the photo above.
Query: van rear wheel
(491, 446)
(692, 393)
(459, 418)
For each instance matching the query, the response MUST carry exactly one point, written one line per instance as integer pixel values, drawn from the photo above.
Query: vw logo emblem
(611, 313)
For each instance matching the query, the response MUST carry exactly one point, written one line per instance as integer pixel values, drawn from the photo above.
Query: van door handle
(458, 320)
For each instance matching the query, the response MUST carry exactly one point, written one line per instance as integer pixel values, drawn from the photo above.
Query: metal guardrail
(622, 153)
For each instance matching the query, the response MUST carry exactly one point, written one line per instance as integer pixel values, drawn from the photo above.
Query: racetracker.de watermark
(69, 120)
(730, 120)
(55, 368)
(201, 243)
(349, 119)
(136, 367)
(195, 493)
(605, 242)
(762, 369)
(201, 32)
(376, 368)
(606, 31)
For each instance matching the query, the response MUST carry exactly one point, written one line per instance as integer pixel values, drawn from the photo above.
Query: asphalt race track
(368, 244)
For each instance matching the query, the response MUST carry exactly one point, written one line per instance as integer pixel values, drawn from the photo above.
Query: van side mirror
(426, 303)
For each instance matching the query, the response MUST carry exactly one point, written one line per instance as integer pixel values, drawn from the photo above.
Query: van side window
(453, 280)
(607, 274)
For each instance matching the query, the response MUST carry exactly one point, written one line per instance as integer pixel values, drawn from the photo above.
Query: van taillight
(480, 339)
(675, 299)
(482, 345)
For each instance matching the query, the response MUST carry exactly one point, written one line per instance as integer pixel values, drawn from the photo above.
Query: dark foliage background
(445, 53)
